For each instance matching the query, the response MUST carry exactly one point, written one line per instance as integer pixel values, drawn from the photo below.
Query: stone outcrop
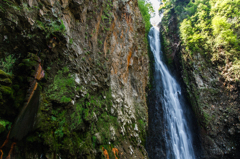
(92, 97)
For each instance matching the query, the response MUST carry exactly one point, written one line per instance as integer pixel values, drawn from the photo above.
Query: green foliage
(73, 130)
(167, 4)
(65, 69)
(62, 88)
(206, 118)
(6, 92)
(142, 127)
(65, 99)
(94, 138)
(51, 28)
(76, 116)
(71, 41)
(223, 32)
(104, 123)
(8, 63)
(212, 28)
(100, 43)
(103, 17)
(4, 74)
(4, 124)
(145, 11)
(11, 4)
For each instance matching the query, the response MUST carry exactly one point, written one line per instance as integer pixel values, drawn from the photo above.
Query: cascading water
(177, 135)
(179, 143)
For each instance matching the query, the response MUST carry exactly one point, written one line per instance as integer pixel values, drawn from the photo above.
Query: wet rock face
(96, 70)
(155, 143)
(213, 94)
(218, 101)
(156, 135)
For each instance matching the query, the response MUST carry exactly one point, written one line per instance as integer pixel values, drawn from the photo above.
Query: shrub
(52, 28)
(7, 64)
(145, 9)
(212, 26)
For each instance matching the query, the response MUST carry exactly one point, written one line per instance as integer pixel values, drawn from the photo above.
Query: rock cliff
(91, 102)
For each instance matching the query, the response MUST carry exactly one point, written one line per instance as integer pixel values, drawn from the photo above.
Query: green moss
(142, 126)
(94, 139)
(53, 27)
(8, 63)
(65, 99)
(6, 90)
(28, 63)
(5, 81)
(71, 41)
(72, 130)
(62, 88)
(4, 74)
(206, 118)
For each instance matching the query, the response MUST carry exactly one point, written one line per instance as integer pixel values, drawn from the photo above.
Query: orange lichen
(39, 73)
(115, 67)
(115, 34)
(105, 153)
(109, 33)
(124, 77)
(129, 58)
(96, 29)
(127, 17)
(10, 152)
(31, 90)
(1, 154)
(121, 34)
(5, 142)
(131, 28)
(115, 151)
(112, 25)
(105, 47)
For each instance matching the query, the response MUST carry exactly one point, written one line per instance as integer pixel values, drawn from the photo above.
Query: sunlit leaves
(145, 8)
(212, 28)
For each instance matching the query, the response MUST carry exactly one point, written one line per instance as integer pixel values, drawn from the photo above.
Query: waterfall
(168, 124)
(177, 134)
(170, 133)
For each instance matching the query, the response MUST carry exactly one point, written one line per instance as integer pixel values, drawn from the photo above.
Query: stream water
(177, 134)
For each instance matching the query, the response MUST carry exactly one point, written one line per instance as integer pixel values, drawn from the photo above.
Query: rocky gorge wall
(207, 70)
(73, 77)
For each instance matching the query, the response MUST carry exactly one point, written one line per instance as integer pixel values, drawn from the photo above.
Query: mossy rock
(28, 62)
(6, 90)
(33, 57)
(32, 60)
(62, 88)
(5, 81)
(4, 75)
